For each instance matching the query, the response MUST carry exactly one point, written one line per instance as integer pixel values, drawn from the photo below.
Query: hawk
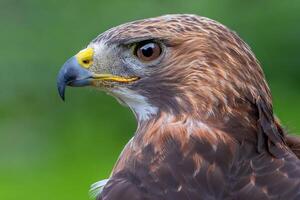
(206, 128)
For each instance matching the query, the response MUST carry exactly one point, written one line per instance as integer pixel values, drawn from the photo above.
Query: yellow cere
(85, 57)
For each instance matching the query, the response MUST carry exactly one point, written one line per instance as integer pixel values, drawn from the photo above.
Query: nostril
(86, 61)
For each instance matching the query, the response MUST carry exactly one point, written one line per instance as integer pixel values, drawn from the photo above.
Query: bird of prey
(206, 128)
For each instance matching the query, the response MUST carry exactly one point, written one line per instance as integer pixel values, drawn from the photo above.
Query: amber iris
(148, 51)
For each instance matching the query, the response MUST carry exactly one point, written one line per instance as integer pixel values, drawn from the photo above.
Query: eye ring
(147, 51)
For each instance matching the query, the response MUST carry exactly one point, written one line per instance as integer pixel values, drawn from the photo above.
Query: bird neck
(183, 126)
(166, 134)
(160, 130)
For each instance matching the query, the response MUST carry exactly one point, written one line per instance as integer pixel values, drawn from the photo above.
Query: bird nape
(206, 128)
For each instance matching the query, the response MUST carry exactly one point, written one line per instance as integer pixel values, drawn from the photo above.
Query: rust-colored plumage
(209, 131)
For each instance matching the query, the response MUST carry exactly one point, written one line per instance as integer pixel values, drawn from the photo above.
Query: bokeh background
(52, 150)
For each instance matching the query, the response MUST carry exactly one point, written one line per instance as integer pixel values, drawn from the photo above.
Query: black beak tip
(62, 94)
(61, 85)
(61, 90)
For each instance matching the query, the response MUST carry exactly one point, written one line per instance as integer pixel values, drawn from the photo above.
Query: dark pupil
(147, 50)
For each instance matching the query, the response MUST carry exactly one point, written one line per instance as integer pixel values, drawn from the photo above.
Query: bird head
(170, 64)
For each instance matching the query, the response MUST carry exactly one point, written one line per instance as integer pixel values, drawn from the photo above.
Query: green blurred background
(55, 150)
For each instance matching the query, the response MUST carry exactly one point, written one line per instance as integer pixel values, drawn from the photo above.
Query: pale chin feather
(97, 188)
(139, 104)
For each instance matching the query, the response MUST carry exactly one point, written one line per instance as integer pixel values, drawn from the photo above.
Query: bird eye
(147, 51)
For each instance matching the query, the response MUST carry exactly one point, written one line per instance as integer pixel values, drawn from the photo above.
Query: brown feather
(215, 135)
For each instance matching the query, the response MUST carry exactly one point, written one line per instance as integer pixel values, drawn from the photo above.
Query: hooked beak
(75, 73)
(72, 74)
